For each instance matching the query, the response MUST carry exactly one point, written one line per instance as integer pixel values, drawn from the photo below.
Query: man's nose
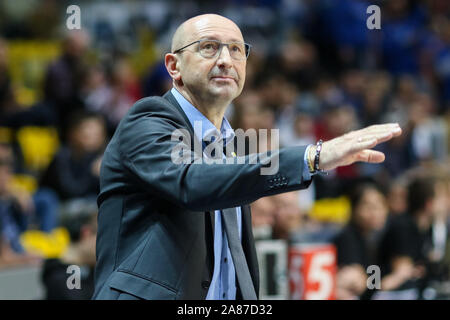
(225, 59)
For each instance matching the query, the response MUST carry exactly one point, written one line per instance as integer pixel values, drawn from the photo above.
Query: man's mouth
(224, 78)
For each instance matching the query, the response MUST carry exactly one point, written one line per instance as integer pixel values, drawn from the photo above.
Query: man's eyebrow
(217, 38)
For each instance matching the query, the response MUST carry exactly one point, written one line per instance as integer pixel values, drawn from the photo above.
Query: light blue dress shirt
(223, 283)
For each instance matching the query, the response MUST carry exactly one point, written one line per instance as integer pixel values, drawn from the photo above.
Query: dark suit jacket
(156, 218)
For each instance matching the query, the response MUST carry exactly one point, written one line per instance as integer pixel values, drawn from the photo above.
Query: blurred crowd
(315, 72)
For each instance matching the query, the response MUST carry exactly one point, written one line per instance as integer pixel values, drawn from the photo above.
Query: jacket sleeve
(146, 146)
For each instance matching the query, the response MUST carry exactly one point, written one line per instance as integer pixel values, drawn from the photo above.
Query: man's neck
(214, 111)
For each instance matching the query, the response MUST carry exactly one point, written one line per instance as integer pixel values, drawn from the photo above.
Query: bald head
(188, 30)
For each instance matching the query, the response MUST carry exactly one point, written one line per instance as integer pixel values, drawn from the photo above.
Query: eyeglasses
(212, 48)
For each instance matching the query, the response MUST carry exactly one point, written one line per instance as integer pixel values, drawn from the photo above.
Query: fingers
(370, 156)
(356, 145)
(371, 136)
(377, 129)
(379, 138)
(393, 128)
(364, 143)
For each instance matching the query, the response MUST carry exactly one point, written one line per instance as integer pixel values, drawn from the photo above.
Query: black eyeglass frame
(247, 47)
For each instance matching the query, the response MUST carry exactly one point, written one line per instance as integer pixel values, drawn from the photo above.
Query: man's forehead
(214, 27)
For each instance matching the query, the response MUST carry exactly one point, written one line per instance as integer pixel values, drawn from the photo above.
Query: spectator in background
(126, 91)
(82, 227)
(288, 216)
(375, 96)
(297, 126)
(406, 245)
(357, 243)
(342, 23)
(250, 112)
(441, 60)
(402, 156)
(12, 114)
(303, 129)
(403, 24)
(278, 94)
(74, 171)
(37, 209)
(263, 217)
(96, 90)
(335, 121)
(6, 94)
(111, 96)
(404, 94)
(255, 64)
(62, 83)
(328, 92)
(157, 80)
(98, 94)
(429, 133)
(397, 197)
(339, 120)
(298, 62)
(439, 267)
(247, 110)
(292, 222)
(12, 206)
(353, 83)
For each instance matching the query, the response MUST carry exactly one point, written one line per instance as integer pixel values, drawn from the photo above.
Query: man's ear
(172, 65)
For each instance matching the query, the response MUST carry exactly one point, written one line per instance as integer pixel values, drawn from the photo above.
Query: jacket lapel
(169, 97)
(209, 238)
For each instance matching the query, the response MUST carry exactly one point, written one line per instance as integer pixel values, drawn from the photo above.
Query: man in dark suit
(170, 229)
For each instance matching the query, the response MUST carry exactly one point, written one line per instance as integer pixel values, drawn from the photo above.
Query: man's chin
(225, 92)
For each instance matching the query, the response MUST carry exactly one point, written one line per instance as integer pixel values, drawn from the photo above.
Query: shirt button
(224, 295)
(225, 260)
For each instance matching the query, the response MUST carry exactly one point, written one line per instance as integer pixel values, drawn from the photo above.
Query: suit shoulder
(150, 107)
(152, 104)
(158, 110)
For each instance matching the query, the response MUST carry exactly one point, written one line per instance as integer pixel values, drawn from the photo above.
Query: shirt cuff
(306, 174)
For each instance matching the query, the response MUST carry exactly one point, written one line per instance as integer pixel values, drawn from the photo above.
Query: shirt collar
(196, 117)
